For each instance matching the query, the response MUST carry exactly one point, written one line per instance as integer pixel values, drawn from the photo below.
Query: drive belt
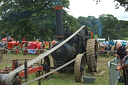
(11, 75)
(49, 72)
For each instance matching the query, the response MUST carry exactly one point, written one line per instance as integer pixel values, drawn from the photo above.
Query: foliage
(123, 3)
(105, 26)
(72, 22)
(31, 18)
(112, 27)
(109, 23)
(91, 22)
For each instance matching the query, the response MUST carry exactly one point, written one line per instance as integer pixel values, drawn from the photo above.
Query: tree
(123, 25)
(71, 21)
(112, 27)
(91, 22)
(123, 3)
(28, 18)
(95, 24)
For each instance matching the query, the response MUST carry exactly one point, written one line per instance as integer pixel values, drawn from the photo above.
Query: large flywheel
(79, 67)
(92, 55)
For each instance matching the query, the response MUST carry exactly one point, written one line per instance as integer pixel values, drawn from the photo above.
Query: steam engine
(69, 50)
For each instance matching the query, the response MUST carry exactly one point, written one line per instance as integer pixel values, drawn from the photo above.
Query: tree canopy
(31, 18)
(91, 22)
(123, 3)
(105, 26)
(26, 18)
(36, 18)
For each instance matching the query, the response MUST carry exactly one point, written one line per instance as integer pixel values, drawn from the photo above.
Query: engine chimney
(59, 18)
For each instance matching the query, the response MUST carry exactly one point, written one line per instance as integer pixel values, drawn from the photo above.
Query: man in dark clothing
(120, 51)
(123, 64)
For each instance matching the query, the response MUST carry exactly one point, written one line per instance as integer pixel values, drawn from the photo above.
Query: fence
(116, 77)
(113, 74)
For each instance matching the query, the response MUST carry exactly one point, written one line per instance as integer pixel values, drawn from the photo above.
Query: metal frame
(113, 73)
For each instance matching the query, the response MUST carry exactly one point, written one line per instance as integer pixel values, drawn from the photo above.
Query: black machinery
(79, 44)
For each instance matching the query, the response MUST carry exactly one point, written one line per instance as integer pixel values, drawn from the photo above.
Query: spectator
(120, 51)
(122, 65)
(106, 43)
(38, 40)
(23, 39)
(8, 38)
(123, 43)
(123, 62)
(111, 43)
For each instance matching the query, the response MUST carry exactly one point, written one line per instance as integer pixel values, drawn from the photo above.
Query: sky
(90, 8)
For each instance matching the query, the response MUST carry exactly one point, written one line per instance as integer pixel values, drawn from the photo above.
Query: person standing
(123, 65)
(121, 51)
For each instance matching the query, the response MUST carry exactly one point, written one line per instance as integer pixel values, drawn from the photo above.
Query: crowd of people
(112, 42)
(122, 54)
(108, 44)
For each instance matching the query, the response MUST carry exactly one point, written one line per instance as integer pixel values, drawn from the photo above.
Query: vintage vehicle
(33, 47)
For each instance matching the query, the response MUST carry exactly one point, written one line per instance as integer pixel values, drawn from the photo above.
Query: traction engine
(80, 47)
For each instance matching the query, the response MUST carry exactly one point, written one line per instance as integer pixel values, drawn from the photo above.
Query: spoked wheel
(92, 55)
(79, 67)
(46, 65)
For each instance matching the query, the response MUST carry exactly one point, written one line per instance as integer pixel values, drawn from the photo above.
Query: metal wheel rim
(92, 55)
(80, 60)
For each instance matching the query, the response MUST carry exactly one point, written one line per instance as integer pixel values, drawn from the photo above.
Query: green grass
(64, 79)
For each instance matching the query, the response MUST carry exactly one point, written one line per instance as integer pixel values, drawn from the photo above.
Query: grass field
(63, 79)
